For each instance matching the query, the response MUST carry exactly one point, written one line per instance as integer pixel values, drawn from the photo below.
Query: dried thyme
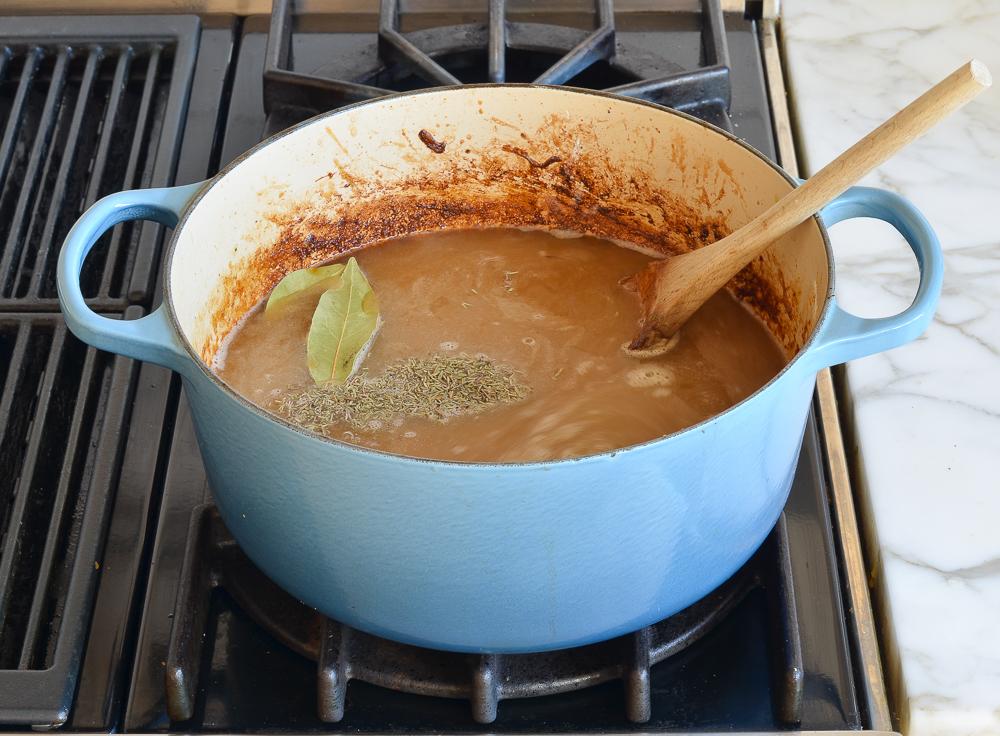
(436, 388)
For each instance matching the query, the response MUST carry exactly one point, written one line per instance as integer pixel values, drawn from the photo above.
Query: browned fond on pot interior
(535, 184)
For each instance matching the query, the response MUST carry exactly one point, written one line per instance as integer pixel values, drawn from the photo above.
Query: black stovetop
(102, 488)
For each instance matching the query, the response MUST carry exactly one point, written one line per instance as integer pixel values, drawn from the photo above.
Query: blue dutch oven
(492, 557)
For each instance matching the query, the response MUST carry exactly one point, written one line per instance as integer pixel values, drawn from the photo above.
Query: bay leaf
(300, 280)
(343, 325)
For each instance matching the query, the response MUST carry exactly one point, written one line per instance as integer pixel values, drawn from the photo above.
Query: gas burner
(213, 559)
(499, 50)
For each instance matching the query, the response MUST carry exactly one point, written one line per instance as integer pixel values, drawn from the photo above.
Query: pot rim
(494, 465)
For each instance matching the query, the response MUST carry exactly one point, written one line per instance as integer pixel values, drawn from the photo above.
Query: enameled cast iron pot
(480, 557)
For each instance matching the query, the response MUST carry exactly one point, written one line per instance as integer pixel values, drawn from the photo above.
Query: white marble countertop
(927, 414)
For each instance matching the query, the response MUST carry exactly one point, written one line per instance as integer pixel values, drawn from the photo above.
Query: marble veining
(927, 414)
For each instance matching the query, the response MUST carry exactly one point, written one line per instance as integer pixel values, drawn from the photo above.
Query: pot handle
(152, 337)
(844, 336)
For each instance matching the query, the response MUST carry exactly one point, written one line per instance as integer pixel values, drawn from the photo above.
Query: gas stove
(126, 605)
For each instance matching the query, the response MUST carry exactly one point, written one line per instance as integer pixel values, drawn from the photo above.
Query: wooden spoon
(672, 290)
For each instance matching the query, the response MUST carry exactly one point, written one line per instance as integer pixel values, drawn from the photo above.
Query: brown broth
(549, 307)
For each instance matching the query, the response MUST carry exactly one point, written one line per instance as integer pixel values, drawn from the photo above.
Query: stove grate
(82, 117)
(65, 407)
(420, 59)
(213, 559)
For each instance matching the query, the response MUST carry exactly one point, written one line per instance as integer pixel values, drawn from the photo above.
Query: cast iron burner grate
(501, 50)
(213, 559)
(62, 406)
(81, 117)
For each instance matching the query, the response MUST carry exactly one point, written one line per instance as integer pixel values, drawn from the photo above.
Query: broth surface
(549, 307)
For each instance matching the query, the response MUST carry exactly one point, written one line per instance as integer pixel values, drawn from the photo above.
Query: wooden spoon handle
(881, 144)
(671, 290)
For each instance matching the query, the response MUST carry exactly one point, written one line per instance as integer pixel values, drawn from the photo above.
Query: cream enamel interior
(317, 166)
